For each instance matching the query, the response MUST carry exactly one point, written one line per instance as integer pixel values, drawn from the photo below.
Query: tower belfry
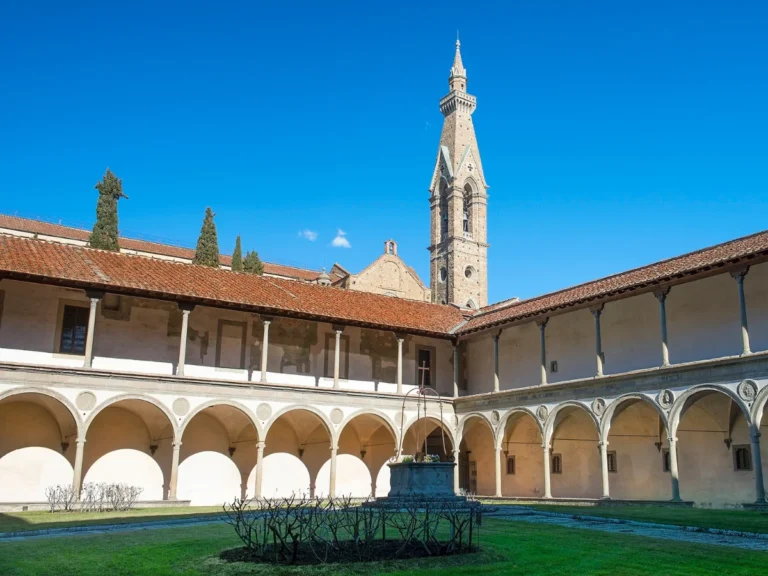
(458, 201)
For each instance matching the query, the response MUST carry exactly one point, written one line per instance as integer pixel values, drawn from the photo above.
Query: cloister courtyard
(508, 545)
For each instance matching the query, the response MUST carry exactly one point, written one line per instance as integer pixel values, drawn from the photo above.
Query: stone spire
(458, 78)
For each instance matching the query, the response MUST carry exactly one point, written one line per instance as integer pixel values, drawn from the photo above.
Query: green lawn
(741, 520)
(22, 521)
(509, 548)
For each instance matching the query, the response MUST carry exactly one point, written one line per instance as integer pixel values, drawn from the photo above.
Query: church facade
(202, 384)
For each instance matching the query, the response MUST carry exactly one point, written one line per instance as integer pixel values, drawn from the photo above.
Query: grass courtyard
(508, 548)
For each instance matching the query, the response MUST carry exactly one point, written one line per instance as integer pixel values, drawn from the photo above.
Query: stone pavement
(711, 536)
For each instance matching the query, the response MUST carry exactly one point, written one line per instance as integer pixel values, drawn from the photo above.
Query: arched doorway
(218, 456)
(477, 457)
(369, 438)
(522, 472)
(298, 437)
(713, 449)
(637, 451)
(574, 456)
(130, 440)
(38, 434)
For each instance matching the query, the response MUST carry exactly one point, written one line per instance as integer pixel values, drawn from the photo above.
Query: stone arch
(219, 435)
(510, 413)
(386, 420)
(549, 426)
(323, 419)
(687, 398)
(134, 444)
(63, 400)
(710, 423)
(451, 441)
(758, 408)
(144, 398)
(222, 402)
(38, 433)
(572, 433)
(467, 417)
(611, 412)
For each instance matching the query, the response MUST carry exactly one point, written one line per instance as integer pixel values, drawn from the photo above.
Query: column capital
(496, 335)
(185, 307)
(399, 336)
(739, 273)
(661, 293)
(545, 447)
(80, 441)
(602, 443)
(95, 294)
(177, 445)
(334, 449)
(266, 320)
(338, 328)
(597, 309)
(671, 439)
(260, 445)
(542, 322)
(755, 435)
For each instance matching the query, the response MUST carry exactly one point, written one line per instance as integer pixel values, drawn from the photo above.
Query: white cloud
(341, 241)
(308, 234)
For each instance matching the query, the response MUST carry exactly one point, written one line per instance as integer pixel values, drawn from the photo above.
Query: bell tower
(458, 202)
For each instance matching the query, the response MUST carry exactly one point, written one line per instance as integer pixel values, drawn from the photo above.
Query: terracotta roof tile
(701, 261)
(38, 260)
(60, 231)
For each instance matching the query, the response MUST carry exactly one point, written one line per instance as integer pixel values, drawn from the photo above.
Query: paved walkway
(745, 540)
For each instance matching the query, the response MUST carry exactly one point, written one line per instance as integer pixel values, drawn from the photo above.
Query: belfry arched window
(467, 209)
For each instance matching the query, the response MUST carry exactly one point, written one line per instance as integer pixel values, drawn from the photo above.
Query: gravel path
(711, 536)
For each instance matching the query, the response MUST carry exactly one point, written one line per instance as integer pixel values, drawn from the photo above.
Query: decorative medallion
(495, 417)
(747, 390)
(665, 399)
(337, 416)
(542, 412)
(263, 412)
(598, 406)
(181, 406)
(86, 401)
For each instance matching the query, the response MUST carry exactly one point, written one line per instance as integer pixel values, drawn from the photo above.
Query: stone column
(597, 311)
(547, 484)
(604, 469)
(77, 477)
(661, 295)
(456, 488)
(456, 372)
(496, 361)
(185, 311)
(757, 466)
(400, 340)
(739, 275)
(332, 487)
(337, 355)
(265, 349)
(673, 469)
(542, 324)
(94, 298)
(174, 471)
(498, 473)
(260, 445)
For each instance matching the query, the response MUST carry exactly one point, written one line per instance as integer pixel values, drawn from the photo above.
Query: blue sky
(612, 134)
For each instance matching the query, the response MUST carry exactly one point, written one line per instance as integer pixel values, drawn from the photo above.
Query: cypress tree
(207, 251)
(237, 257)
(252, 264)
(104, 235)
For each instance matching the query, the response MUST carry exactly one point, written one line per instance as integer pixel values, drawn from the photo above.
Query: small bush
(94, 497)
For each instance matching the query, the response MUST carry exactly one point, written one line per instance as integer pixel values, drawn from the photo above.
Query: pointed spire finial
(458, 67)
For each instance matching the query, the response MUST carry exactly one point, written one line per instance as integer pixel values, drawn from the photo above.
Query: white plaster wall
(27, 472)
(480, 361)
(208, 478)
(519, 357)
(631, 334)
(571, 342)
(128, 466)
(284, 475)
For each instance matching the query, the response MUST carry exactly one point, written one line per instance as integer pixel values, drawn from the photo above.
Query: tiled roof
(741, 250)
(60, 231)
(77, 266)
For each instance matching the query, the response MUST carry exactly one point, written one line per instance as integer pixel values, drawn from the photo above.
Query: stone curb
(112, 527)
(639, 523)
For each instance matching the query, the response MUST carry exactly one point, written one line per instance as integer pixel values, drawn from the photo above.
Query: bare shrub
(61, 498)
(94, 497)
(314, 530)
